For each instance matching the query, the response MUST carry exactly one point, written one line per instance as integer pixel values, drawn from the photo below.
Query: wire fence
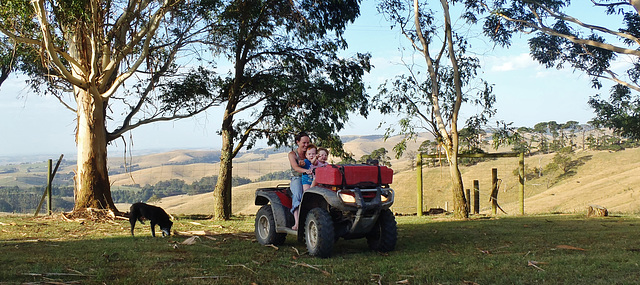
(22, 186)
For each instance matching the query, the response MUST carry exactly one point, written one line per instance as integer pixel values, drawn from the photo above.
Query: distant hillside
(609, 179)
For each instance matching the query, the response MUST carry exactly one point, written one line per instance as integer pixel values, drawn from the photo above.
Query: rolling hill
(604, 178)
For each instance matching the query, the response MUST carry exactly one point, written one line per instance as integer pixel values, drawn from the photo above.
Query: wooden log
(597, 211)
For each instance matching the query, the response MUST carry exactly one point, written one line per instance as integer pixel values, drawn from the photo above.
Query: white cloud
(510, 63)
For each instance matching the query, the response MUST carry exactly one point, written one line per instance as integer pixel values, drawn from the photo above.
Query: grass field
(542, 249)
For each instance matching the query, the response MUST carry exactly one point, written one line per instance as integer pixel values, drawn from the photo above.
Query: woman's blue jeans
(296, 192)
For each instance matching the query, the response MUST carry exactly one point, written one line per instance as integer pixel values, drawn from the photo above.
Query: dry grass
(606, 179)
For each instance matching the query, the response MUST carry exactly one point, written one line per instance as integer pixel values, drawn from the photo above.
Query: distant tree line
(16, 200)
(552, 137)
(379, 155)
(278, 175)
(172, 187)
(544, 137)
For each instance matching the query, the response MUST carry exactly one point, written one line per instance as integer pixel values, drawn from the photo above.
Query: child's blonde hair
(323, 149)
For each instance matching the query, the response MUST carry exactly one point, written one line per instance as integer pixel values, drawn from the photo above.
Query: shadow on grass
(507, 250)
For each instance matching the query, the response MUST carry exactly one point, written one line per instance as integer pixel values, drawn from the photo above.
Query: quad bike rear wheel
(266, 227)
(319, 234)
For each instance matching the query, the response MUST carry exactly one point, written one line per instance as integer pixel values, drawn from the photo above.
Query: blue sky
(526, 94)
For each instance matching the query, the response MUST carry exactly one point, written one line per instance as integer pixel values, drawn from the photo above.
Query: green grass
(567, 249)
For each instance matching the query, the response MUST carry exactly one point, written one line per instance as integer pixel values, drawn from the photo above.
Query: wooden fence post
(476, 197)
(469, 199)
(49, 178)
(494, 191)
(47, 190)
(419, 205)
(521, 180)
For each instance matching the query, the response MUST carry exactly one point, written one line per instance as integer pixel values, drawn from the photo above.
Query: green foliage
(17, 200)
(611, 143)
(560, 40)
(171, 188)
(429, 101)
(563, 164)
(278, 175)
(620, 113)
(529, 173)
(288, 76)
(471, 142)
(347, 160)
(21, 200)
(505, 134)
(379, 155)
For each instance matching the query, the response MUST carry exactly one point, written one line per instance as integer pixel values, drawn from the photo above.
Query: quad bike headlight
(387, 196)
(346, 198)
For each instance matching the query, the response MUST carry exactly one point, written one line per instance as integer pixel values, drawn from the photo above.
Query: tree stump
(597, 211)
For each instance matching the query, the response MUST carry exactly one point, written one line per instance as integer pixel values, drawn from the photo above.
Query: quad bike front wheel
(266, 227)
(384, 235)
(319, 235)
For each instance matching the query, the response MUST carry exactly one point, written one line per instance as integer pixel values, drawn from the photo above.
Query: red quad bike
(351, 201)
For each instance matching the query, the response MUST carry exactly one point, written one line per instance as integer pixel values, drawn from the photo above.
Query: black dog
(156, 215)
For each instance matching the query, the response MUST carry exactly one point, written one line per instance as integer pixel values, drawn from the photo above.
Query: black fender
(281, 213)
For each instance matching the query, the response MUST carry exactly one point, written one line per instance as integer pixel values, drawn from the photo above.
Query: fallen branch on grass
(534, 264)
(57, 274)
(194, 233)
(312, 267)
(190, 241)
(244, 266)
(93, 214)
(296, 250)
(209, 277)
(564, 246)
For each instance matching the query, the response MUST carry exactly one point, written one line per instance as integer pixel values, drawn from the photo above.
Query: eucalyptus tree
(286, 77)
(378, 155)
(113, 62)
(541, 130)
(429, 96)
(7, 59)
(14, 55)
(591, 44)
(620, 113)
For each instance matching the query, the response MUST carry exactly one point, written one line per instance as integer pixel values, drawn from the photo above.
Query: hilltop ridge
(604, 178)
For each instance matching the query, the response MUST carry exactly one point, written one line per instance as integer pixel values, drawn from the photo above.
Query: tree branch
(571, 38)
(51, 50)
(247, 134)
(148, 33)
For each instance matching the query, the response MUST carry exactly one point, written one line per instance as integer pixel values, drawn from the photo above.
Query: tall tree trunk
(92, 178)
(222, 192)
(460, 209)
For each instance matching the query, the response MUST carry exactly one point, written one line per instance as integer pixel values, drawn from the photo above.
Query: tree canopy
(429, 96)
(605, 46)
(287, 77)
(115, 63)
